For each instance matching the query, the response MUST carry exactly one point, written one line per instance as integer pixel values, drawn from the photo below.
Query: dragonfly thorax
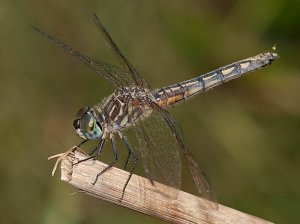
(124, 108)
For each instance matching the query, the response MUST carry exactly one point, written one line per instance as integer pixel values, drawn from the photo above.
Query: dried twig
(142, 196)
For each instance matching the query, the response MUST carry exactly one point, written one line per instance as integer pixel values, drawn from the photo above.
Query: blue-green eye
(87, 123)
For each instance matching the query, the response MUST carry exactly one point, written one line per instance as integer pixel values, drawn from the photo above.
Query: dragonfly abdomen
(173, 94)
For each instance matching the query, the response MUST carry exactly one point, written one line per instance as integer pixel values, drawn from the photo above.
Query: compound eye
(87, 123)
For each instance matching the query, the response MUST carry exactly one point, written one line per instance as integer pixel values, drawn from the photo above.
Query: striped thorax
(125, 107)
(119, 111)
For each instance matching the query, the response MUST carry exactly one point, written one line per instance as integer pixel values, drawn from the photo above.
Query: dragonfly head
(86, 124)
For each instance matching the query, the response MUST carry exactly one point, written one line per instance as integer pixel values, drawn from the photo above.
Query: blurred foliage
(245, 134)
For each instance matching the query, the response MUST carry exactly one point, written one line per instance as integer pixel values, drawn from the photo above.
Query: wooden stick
(142, 196)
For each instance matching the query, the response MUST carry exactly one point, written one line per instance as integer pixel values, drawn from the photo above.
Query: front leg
(81, 143)
(98, 149)
(114, 147)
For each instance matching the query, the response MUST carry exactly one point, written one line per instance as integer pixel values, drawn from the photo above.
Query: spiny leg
(113, 143)
(135, 160)
(127, 160)
(93, 151)
(81, 143)
(98, 149)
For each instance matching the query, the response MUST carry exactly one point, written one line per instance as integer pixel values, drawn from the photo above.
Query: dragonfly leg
(135, 160)
(113, 143)
(81, 143)
(127, 160)
(93, 151)
(98, 149)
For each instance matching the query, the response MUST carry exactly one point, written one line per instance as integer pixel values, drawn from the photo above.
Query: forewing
(138, 79)
(159, 151)
(202, 183)
(112, 73)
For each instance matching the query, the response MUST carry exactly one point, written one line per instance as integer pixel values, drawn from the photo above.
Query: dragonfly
(135, 105)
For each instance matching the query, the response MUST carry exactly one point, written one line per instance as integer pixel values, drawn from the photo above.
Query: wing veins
(124, 61)
(161, 161)
(98, 67)
(202, 183)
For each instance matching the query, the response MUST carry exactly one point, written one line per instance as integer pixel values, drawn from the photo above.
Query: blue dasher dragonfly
(135, 105)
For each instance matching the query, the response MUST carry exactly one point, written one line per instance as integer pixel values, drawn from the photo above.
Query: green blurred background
(244, 134)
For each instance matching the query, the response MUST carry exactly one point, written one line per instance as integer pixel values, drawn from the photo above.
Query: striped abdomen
(170, 95)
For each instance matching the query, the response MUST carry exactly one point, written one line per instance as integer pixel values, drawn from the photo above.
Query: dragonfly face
(86, 125)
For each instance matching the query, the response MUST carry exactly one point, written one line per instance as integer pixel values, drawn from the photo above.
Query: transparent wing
(138, 79)
(112, 73)
(159, 151)
(117, 76)
(199, 177)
